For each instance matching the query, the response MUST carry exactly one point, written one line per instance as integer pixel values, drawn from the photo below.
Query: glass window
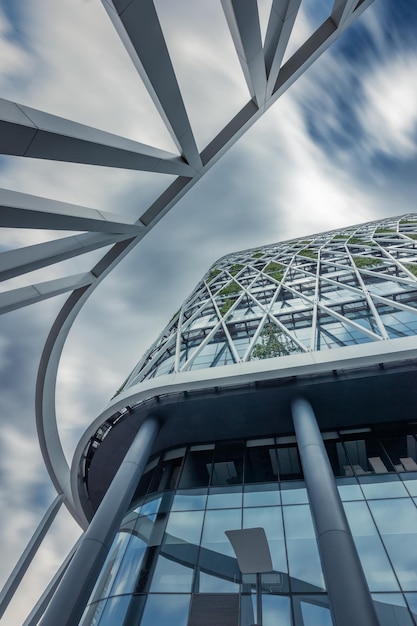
(189, 500)
(215, 525)
(391, 609)
(261, 495)
(218, 568)
(110, 567)
(294, 493)
(312, 610)
(382, 487)
(412, 603)
(184, 527)
(349, 489)
(402, 451)
(289, 463)
(410, 481)
(228, 464)
(224, 497)
(375, 563)
(397, 523)
(275, 610)
(92, 613)
(169, 575)
(115, 611)
(338, 458)
(303, 557)
(221, 583)
(261, 465)
(129, 568)
(166, 610)
(270, 519)
(196, 470)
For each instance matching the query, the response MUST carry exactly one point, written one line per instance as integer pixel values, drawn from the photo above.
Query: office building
(317, 330)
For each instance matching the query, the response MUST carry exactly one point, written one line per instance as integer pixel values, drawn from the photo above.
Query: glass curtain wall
(171, 561)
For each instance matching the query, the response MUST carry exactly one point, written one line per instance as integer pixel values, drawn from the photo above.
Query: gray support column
(349, 596)
(68, 603)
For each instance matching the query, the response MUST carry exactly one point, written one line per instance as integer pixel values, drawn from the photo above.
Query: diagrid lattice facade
(327, 321)
(344, 287)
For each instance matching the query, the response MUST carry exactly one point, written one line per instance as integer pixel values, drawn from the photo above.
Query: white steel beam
(29, 552)
(17, 262)
(31, 133)
(342, 10)
(309, 52)
(21, 210)
(17, 298)
(123, 13)
(138, 26)
(280, 25)
(243, 21)
(40, 606)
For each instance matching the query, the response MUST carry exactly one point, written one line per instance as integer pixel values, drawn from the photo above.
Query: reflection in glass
(412, 603)
(303, 557)
(217, 584)
(188, 500)
(261, 465)
(196, 469)
(275, 610)
(125, 580)
(382, 487)
(397, 523)
(391, 609)
(224, 497)
(111, 566)
(289, 463)
(228, 464)
(184, 527)
(312, 610)
(217, 562)
(270, 519)
(169, 575)
(294, 493)
(215, 524)
(410, 481)
(349, 489)
(166, 610)
(92, 613)
(261, 495)
(115, 611)
(375, 563)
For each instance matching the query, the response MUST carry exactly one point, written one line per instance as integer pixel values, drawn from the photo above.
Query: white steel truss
(35, 134)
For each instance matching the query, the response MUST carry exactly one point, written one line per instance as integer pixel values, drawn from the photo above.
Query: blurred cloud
(338, 148)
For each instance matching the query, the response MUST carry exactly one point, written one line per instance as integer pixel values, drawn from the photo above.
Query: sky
(339, 148)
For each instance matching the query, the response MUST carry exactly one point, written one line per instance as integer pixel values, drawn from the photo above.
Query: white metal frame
(27, 132)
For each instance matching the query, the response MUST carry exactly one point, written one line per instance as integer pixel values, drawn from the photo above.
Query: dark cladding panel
(214, 610)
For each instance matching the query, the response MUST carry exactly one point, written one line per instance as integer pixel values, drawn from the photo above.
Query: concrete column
(73, 592)
(349, 596)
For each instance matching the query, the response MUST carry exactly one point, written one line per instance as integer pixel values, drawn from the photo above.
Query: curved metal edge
(45, 405)
(345, 358)
(46, 423)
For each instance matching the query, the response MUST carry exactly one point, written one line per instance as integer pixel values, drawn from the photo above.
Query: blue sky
(339, 147)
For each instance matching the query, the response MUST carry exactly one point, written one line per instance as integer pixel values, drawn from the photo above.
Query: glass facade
(171, 559)
(350, 286)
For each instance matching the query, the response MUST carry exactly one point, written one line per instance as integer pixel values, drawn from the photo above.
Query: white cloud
(277, 182)
(389, 111)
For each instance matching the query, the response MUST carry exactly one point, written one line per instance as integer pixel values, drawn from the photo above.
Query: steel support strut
(73, 592)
